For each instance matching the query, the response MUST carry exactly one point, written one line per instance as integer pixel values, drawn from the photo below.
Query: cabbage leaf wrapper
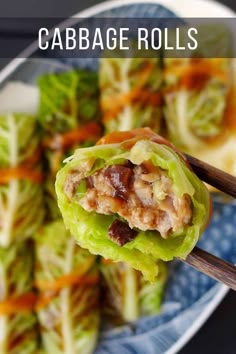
(196, 89)
(18, 322)
(21, 191)
(132, 198)
(69, 114)
(130, 93)
(126, 295)
(68, 305)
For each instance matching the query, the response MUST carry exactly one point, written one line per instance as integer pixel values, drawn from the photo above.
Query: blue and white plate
(190, 296)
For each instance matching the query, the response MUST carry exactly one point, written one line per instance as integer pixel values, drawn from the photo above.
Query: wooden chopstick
(203, 261)
(213, 266)
(219, 179)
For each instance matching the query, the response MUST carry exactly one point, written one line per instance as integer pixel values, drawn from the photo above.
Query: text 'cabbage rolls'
(130, 93)
(132, 198)
(21, 192)
(67, 280)
(68, 113)
(18, 323)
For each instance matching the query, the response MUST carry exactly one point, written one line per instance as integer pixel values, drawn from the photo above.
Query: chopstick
(203, 261)
(212, 266)
(219, 179)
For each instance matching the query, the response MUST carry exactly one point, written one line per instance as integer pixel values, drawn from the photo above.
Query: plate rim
(201, 320)
(173, 6)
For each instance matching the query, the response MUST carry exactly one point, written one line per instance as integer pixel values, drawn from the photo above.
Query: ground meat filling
(142, 195)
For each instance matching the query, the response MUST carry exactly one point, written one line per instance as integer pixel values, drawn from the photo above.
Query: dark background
(218, 335)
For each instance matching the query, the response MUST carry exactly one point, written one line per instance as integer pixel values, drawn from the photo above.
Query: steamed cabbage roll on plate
(195, 100)
(21, 178)
(126, 295)
(17, 321)
(68, 114)
(130, 92)
(68, 302)
(196, 90)
(133, 198)
(220, 152)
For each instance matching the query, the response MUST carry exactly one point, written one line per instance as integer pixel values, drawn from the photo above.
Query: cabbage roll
(130, 93)
(195, 100)
(133, 198)
(68, 113)
(127, 295)
(21, 191)
(196, 89)
(67, 279)
(18, 323)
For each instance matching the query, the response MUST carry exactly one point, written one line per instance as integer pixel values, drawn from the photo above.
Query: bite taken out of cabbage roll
(130, 93)
(18, 323)
(133, 198)
(67, 279)
(21, 179)
(69, 114)
(126, 295)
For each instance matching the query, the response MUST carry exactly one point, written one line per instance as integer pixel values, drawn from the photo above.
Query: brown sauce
(230, 112)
